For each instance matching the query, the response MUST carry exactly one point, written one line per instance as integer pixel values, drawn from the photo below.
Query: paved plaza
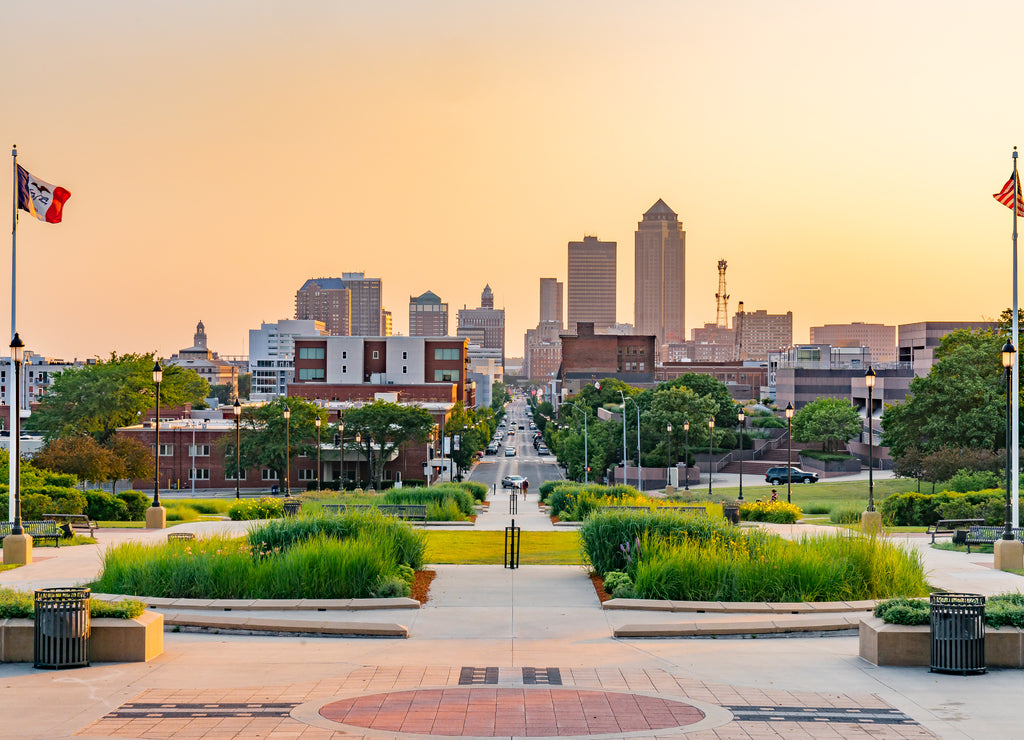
(502, 653)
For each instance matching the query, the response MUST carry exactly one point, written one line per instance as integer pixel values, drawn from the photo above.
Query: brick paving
(384, 702)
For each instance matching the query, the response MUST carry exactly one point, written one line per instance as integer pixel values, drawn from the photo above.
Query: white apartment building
(272, 354)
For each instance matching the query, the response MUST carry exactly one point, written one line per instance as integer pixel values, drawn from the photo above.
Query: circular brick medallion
(495, 712)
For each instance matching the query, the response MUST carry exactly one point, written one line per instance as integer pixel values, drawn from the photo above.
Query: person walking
(526, 487)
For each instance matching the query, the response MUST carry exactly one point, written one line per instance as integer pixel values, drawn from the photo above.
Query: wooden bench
(46, 530)
(74, 521)
(950, 526)
(989, 535)
(417, 512)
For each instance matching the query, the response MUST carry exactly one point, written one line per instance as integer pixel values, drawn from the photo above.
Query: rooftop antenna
(721, 297)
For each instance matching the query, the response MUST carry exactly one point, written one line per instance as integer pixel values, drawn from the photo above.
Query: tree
(130, 460)
(826, 420)
(383, 427)
(960, 403)
(268, 440)
(97, 399)
(702, 384)
(81, 456)
(678, 403)
(472, 428)
(244, 384)
(223, 392)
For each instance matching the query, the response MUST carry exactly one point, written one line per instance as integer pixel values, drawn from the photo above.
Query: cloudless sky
(840, 156)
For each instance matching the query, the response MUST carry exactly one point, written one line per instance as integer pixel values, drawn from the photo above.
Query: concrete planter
(837, 466)
(110, 641)
(894, 644)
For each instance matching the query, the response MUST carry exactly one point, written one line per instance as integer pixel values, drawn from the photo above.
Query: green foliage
(1003, 610)
(922, 509)
(383, 428)
(765, 567)
(476, 489)
(904, 611)
(438, 495)
(974, 480)
(830, 421)
(256, 508)
(619, 584)
(767, 422)
(97, 399)
(103, 506)
(268, 440)
(845, 515)
(826, 456)
(779, 512)
(21, 605)
(136, 502)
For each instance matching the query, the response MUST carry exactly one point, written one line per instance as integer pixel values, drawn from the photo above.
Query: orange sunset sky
(840, 156)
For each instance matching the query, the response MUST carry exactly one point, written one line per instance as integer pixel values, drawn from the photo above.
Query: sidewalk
(529, 649)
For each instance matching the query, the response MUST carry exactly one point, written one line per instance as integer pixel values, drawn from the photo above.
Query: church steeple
(200, 337)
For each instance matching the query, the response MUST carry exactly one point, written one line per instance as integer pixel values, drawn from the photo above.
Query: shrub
(477, 490)
(975, 480)
(923, 509)
(1000, 611)
(779, 512)
(255, 508)
(817, 509)
(178, 512)
(35, 505)
(137, 502)
(619, 584)
(105, 507)
(904, 611)
(453, 492)
(21, 605)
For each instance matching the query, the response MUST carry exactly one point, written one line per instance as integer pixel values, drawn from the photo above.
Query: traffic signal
(337, 440)
(588, 469)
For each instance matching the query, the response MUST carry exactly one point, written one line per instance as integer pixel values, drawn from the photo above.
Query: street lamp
(711, 445)
(317, 422)
(586, 453)
(743, 423)
(869, 381)
(287, 449)
(789, 470)
(625, 477)
(639, 466)
(668, 458)
(158, 375)
(1008, 353)
(238, 467)
(17, 353)
(686, 455)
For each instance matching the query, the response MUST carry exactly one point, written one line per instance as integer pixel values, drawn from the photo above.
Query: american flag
(1005, 196)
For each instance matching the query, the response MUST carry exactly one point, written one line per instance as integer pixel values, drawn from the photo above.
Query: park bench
(950, 526)
(73, 521)
(401, 511)
(989, 535)
(46, 530)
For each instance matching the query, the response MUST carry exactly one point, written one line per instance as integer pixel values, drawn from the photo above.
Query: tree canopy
(97, 399)
(383, 427)
(268, 440)
(826, 420)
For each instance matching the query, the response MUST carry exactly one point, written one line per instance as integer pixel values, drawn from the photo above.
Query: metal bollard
(512, 537)
(513, 506)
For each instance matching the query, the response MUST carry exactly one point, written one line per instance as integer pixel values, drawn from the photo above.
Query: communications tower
(721, 297)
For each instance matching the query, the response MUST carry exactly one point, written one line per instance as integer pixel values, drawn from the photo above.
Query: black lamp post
(743, 423)
(287, 449)
(668, 460)
(17, 351)
(359, 441)
(238, 467)
(711, 447)
(317, 422)
(789, 470)
(869, 381)
(1008, 354)
(340, 442)
(158, 375)
(686, 455)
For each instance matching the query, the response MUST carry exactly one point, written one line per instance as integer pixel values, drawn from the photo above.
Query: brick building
(587, 356)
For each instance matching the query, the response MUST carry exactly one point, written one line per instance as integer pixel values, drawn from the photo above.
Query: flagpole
(1015, 373)
(11, 390)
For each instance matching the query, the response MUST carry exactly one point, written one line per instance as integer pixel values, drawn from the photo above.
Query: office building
(348, 306)
(758, 333)
(879, 338)
(551, 301)
(917, 342)
(484, 326)
(588, 357)
(590, 288)
(660, 275)
(428, 316)
(272, 355)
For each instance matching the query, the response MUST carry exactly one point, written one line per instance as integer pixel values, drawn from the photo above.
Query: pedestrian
(775, 495)
(526, 487)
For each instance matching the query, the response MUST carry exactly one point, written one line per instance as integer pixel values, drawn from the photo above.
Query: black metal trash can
(957, 633)
(731, 512)
(292, 507)
(62, 628)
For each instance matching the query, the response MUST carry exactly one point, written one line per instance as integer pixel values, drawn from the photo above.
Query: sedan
(512, 481)
(777, 476)
(510, 452)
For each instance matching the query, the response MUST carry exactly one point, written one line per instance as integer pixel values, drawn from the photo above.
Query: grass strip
(488, 548)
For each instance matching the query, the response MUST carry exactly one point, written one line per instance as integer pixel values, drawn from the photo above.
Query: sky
(840, 156)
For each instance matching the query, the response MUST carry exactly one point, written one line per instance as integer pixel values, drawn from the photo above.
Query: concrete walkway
(530, 649)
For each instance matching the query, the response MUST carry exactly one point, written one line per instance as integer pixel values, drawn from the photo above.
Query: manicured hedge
(924, 509)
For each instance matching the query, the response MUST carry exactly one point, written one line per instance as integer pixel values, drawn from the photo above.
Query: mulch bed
(598, 582)
(421, 585)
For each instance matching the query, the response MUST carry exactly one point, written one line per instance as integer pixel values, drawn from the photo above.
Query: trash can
(292, 507)
(62, 628)
(731, 512)
(957, 633)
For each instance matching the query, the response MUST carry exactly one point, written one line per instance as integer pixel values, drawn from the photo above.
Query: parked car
(543, 450)
(778, 476)
(512, 481)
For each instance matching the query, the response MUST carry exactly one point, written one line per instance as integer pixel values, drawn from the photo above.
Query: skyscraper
(484, 327)
(550, 301)
(348, 306)
(591, 283)
(428, 316)
(660, 277)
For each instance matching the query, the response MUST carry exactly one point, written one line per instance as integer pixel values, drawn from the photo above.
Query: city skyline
(219, 154)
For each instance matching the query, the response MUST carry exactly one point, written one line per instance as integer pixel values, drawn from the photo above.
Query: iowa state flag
(41, 199)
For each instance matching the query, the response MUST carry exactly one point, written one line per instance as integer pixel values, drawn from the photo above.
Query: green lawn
(488, 548)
